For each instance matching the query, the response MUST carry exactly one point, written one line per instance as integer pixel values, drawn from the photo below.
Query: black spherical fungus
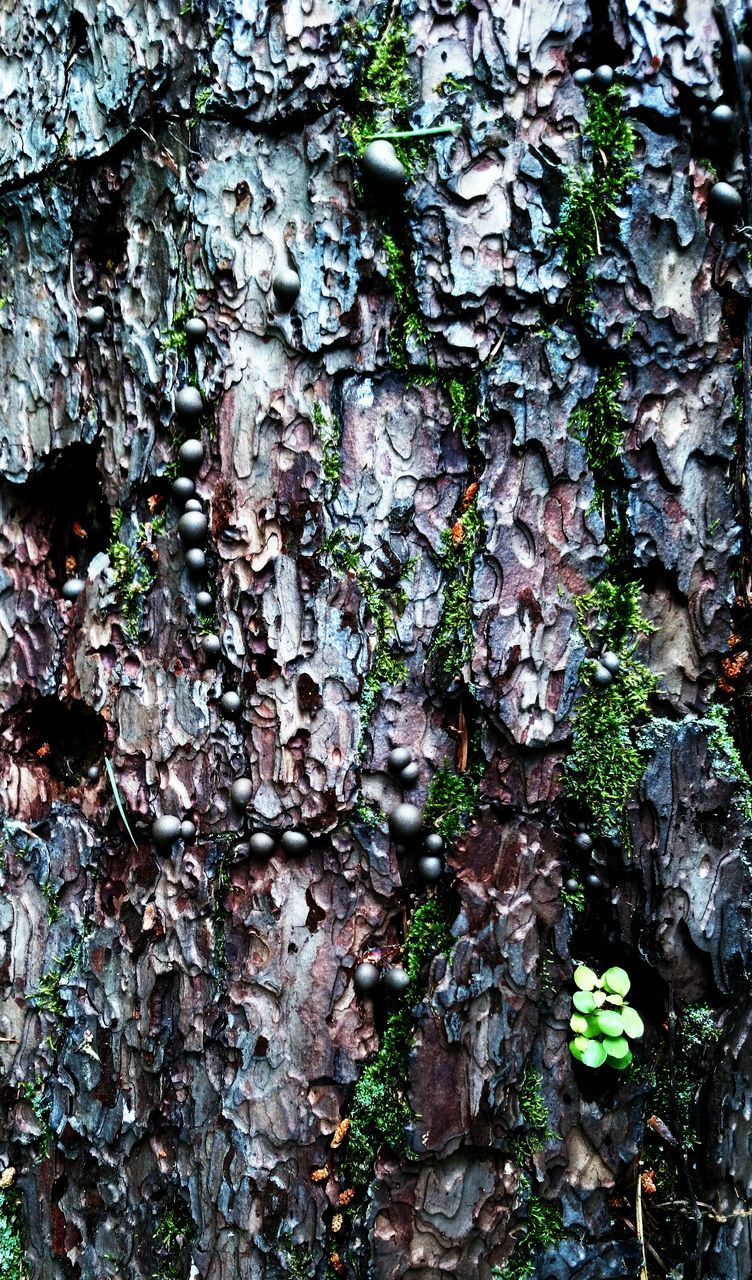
(211, 646)
(261, 845)
(93, 773)
(195, 560)
(195, 330)
(191, 455)
(571, 886)
(745, 60)
(285, 287)
(603, 78)
(406, 822)
(601, 676)
(433, 843)
(398, 759)
(724, 204)
(203, 601)
(166, 830)
(72, 588)
(188, 404)
(593, 882)
(583, 841)
(430, 869)
(187, 830)
(96, 318)
(611, 661)
(366, 978)
(230, 703)
(193, 504)
(241, 792)
(193, 528)
(722, 120)
(582, 77)
(294, 843)
(410, 774)
(183, 488)
(381, 165)
(396, 980)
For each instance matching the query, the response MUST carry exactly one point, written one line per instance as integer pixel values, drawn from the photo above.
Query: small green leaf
(615, 1047)
(579, 1024)
(609, 1022)
(575, 1047)
(622, 1063)
(118, 801)
(632, 1022)
(599, 998)
(583, 1000)
(593, 1054)
(617, 1001)
(584, 978)
(617, 981)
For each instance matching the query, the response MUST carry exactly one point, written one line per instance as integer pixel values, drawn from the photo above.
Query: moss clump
(726, 757)
(592, 193)
(33, 1091)
(463, 396)
(385, 89)
(598, 423)
(382, 604)
(174, 339)
(543, 1231)
(330, 435)
(538, 1131)
(48, 997)
(452, 642)
(296, 1258)
(173, 1232)
(12, 1250)
(133, 568)
(451, 800)
(408, 323)
(606, 761)
(380, 1111)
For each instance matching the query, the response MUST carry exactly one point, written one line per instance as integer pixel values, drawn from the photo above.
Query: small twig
(640, 1228)
(418, 133)
(628, 1223)
(118, 801)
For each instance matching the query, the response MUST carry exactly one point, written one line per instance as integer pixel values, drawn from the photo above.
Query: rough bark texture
(201, 1039)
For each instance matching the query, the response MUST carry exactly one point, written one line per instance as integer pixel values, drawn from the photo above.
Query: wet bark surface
(179, 1032)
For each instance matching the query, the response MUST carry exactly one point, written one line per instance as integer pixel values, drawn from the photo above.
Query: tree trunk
(501, 432)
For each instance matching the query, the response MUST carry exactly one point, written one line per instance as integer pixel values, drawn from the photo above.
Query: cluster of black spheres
(368, 976)
(601, 79)
(605, 668)
(403, 766)
(407, 830)
(261, 844)
(721, 126)
(584, 844)
(166, 830)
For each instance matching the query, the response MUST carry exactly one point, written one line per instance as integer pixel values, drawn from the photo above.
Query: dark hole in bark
(65, 737)
(101, 237)
(76, 32)
(65, 506)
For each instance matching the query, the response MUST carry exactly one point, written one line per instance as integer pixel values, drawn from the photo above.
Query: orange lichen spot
(320, 1175)
(340, 1133)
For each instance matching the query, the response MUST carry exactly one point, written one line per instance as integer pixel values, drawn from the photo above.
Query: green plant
(607, 757)
(602, 1023)
(407, 322)
(451, 799)
(33, 1092)
(543, 1230)
(592, 194)
(380, 1111)
(452, 643)
(173, 1232)
(574, 899)
(534, 1112)
(381, 603)
(296, 1258)
(725, 756)
(132, 569)
(12, 1251)
(330, 434)
(174, 338)
(598, 423)
(54, 910)
(463, 396)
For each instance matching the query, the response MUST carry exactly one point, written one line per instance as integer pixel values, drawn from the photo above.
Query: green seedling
(602, 1023)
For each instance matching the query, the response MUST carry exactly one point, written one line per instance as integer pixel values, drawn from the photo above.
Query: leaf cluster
(602, 1023)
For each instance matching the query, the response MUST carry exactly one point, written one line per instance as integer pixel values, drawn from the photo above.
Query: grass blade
(118, 801)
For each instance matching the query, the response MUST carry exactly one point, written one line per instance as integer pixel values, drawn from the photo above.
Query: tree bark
(180, 1036)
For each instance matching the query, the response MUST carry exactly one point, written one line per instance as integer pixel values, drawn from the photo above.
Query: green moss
(133, 569)
(173, 1232)
(384, 88)
(371, 815)
(382, 604)
(408, 323)
(12, 1250)
(380, 1110)
(599, 424)
(296, 1258)
(330, 435)
(593, 192)
(607, 759)
(463, 395)
(54, 910)
(543, 1231)
(174, 339)
(451, 800)
(575, 900)
(726, 757)
(33, 1091)
(48, 996)
(452, 643)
